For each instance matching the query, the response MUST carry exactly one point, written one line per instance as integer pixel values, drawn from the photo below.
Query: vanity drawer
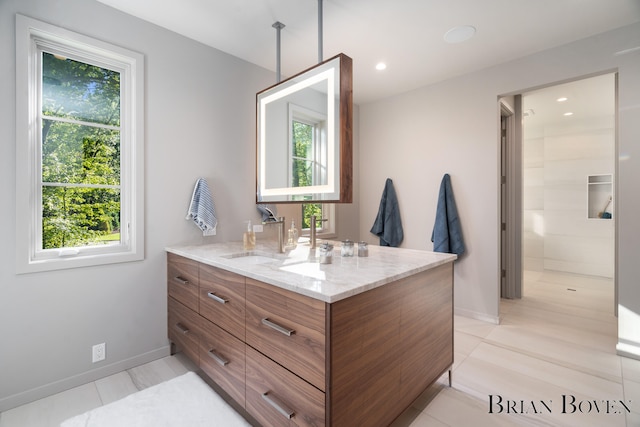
(222, 358)
(276, 397)
(183, 328)
(222, 299)
(289, 328)
(182, 280)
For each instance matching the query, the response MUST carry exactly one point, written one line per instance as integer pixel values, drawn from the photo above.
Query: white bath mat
(185, 401)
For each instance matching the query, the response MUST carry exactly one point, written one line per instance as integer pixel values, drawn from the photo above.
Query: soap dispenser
(249, 238)
(292, 236)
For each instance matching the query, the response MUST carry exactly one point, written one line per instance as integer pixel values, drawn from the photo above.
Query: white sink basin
(252, 258)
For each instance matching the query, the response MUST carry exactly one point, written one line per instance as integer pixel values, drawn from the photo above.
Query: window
(324, 211)
(79, 198)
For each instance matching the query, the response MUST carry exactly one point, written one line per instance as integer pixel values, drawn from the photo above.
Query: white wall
(532, 201)
(200, 121)
(416, 138)
(453, 127)
(561, 229)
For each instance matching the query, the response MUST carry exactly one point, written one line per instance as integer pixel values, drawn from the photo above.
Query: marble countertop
(298, 270)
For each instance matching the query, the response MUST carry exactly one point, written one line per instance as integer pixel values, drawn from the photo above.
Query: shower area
(569, 161)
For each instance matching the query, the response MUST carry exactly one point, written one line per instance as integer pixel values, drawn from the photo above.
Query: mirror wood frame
(345, 135)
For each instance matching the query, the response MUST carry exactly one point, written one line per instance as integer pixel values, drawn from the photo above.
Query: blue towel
(201, 209)
(387, 225)
(447, 233)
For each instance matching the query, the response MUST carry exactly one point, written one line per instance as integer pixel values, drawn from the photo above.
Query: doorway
(558, 190)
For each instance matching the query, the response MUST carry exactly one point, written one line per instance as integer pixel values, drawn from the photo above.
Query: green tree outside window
(80, 153)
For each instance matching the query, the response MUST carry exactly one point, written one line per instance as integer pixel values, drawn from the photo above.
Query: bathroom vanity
(295, 342)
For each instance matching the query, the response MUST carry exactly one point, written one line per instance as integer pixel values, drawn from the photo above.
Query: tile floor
(551, 362)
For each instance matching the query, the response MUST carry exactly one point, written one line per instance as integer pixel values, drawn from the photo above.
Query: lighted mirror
(304, 136)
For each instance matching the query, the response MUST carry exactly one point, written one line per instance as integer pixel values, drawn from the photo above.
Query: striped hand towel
(201, 209)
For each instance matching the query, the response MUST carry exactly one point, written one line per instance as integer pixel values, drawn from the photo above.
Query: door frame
(511, 189)
(511, 198)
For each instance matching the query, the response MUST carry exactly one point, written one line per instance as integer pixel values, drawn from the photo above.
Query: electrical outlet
(99, 352)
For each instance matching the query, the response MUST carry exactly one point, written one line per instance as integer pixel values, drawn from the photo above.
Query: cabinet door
(183, 328)
(222, 358)
(222, 299)
(276, 397)
(182, 280)
(289, 328)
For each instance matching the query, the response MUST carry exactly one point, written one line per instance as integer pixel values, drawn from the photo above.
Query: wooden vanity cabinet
(222, 311)
(182, 289)
(293, 360)
(222, 358)
(388, 345)
(182, 280)
(206, 320)
(184, 329)
(222, 299)
(278, 397)
(289, 328)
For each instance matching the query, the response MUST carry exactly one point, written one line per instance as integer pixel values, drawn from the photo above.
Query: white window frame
(31, 37)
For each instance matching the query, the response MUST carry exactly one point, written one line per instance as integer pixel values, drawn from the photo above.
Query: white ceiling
(406, 34)
(590, 99)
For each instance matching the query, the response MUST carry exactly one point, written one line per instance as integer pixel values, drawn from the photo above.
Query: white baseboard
(476, 315)
(27, 396)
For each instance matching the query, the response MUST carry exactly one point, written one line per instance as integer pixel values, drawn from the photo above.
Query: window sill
(77, 261)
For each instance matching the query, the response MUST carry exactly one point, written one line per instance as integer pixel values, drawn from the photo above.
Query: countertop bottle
(363, 249)
(292, 236)
(347, 248)
(249, 238)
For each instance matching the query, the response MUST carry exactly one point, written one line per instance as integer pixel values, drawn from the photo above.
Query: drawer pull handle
(183, 329)
(276, 327)
(216, 298)
(278, 405)
(218, 358)
(181, 280)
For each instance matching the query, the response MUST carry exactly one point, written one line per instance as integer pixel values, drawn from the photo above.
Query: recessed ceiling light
(562, 99)
(568, 113)
(459, 34)
(381, 66)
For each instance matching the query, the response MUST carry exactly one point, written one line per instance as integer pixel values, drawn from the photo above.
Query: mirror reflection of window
(308, 147)
(302, 160)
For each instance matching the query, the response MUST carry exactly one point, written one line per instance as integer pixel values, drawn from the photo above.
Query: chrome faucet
(279, 221)
(312, 231)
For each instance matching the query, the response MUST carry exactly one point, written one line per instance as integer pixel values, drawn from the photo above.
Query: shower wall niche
(600, 196)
